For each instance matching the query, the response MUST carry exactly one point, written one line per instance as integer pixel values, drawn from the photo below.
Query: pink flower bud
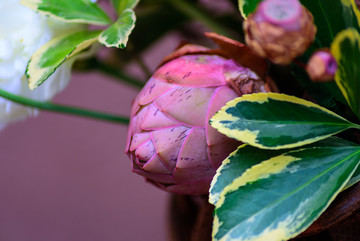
(280, 30)
(170, 140)
(322, 66)
(282, 13)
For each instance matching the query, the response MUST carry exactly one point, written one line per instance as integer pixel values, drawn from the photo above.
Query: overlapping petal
(170, 140)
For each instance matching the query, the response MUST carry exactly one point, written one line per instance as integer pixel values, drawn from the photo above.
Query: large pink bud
(170, 141)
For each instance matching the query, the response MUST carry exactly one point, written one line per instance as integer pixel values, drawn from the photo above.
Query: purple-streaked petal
(221, 96)
(138, 120)
(193, 162)
(154, 177)
(152, 90)
(139, 139)
(155, 119)
(155, 165)
(145, 151)
(221, 151)
(168, 143)
(193, 70)
(186, 104)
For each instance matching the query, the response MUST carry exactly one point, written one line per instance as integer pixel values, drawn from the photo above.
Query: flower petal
(155, 165)
(193, 162)
(186, 104)
(193, 70)
(145, 151)
(139, 139)
(152, 90)
(155, 119)
(221, 96)
(219, 152)
(168, 143)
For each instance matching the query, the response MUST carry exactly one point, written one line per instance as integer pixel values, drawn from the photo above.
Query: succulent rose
(23, 31)
(170, 141)
(280, 30)
(322, 66)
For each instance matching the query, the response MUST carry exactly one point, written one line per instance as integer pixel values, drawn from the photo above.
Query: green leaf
(117, 35)
(236, 163)
(331, 20)
(121, 5)
(50, 56)
(247, 6)
(280, 197)
(355, 178)
(346, 50)
(277, 121)
(79, 11)
(247, 156)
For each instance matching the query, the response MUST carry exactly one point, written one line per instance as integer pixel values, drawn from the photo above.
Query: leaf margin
(217, 222)
(250, 137)
(121, 42)
(34, 5)
(35, 76)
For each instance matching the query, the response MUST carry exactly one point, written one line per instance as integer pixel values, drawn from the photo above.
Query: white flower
(22, 32)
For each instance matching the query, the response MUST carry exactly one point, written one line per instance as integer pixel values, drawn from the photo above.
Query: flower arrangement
(263, 125)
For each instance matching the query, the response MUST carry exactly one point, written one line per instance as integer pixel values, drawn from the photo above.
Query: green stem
(64, 108)
(194, 13)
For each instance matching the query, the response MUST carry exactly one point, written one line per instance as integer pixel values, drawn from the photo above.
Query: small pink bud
(322, 66)
(280, 30)
(282, 13)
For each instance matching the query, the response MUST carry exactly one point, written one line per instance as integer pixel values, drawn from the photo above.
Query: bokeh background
(65, 178)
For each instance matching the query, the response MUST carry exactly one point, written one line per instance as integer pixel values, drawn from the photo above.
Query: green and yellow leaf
(121, 5)
(343, 14)
(236, 163)
(346, 50)
(79, 11)
(280, 197)
(50, 56)
(247, 6)
(277, 121)
(355, 178)
(117, 35)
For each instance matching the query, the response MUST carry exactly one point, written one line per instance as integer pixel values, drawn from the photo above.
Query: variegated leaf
(247, 6)
(277, 121)
(79, 11)
(121, 5)
(346, 50)
(117, 35)
(236, 163)
(330, 21)
(50, 56)
(280, 197)
(355, 178)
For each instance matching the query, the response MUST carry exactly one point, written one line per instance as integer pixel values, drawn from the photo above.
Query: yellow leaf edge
(250, 137)
(37, 75)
